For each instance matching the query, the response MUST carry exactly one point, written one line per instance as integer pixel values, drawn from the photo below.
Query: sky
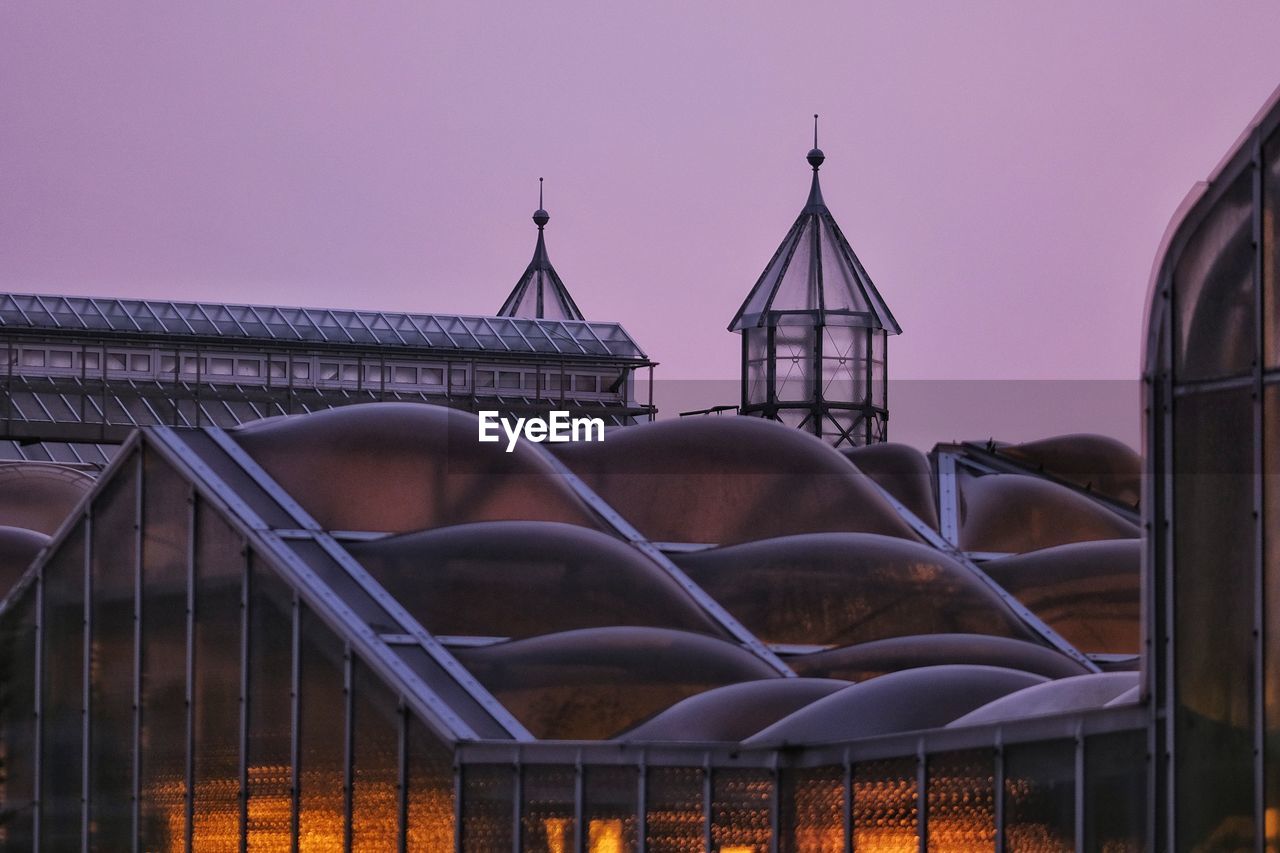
(1005, 171)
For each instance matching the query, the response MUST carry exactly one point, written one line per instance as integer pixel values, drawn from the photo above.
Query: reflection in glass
(62, 695)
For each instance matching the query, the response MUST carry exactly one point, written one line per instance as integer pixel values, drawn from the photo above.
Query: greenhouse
(362, 629)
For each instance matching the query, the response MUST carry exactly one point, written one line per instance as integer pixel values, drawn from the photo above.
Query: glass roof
(319, 325)
(540, 294)
(815, 278)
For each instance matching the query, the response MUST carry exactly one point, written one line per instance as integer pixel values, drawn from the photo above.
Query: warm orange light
(604, 836)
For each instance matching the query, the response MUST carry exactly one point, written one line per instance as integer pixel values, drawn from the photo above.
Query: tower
(540, 294)
(815, 333)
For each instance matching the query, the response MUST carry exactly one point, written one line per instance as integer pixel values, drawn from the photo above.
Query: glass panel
(219, 580)
(62, 695)
(487, 813)
(270, 664)
(885, 805)
(546, 810)
(17, 723)
(740, 810)
(1115, 791)
(674, 819)
(113, 565)
(321, 698)
(375, 765)
(609, 809)
(1039, 798)
(1214, 550)
(165, 535)
(1213, 290)
(961, 803)
(794, 350)
(812, 811)
(431, 798)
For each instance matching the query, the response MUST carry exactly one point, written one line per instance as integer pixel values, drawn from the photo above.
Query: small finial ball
(816, 157)
(541, 217)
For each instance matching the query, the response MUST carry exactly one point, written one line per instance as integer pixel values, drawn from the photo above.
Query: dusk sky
(1004, 170)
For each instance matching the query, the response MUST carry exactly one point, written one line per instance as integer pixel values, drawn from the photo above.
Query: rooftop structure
(540, 294)
(83, 372)
(362, 629)
(815, 332)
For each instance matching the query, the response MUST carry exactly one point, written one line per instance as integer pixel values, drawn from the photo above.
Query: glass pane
(487, 808)
(1039, 798)
(1115, 791)
(431, 798)
(17, 723)
(1213, 555)
(740, 810)
(375, 766)
(812, 811)
(165, 535)
(885, 804)
(62, 695)
(113, 566)
(219, 580)
(609, 809)
(546, 810)
(270, 710)
(961, 803)
(674, 819)
(321, 700)
(1213, 290)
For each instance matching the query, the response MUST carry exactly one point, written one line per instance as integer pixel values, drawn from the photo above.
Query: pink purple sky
(1004, 170)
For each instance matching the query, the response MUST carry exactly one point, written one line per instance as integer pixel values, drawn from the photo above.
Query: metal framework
(815, 333)
(1212, 401)
(81, 373)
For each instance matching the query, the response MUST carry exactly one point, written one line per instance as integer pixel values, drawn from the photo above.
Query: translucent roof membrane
(520, 578)
(844, 588)
(903, 472)
(735, 712)
(1089, 592)
(399, 467)
(1095, 462)
(331, 326)
(40, 497)
(901, 701)
(1079, 693)
(1011, 513)
(729, 480)
(870, 660)
(18, 547)
(595, 683)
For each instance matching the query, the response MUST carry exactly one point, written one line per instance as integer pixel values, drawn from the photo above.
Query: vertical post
(38, 780)
(135, 805)
(402, 777)
(246, 616)
(707, 792)
(922, 798)
(642, 805)
(188, 800)
(86, 732)
(998, 782)
(1259, 549)
(348, 746)
(846, 806)
(579, 812)
(1079, 789)
(295, 718)
(517, 789)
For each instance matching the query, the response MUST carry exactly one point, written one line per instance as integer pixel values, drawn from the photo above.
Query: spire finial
(540, 216)
(815, 157)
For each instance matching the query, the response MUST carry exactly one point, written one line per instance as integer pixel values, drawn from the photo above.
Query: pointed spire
(540, 216)
(540, 294)
(816, 158)
(815, 273)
